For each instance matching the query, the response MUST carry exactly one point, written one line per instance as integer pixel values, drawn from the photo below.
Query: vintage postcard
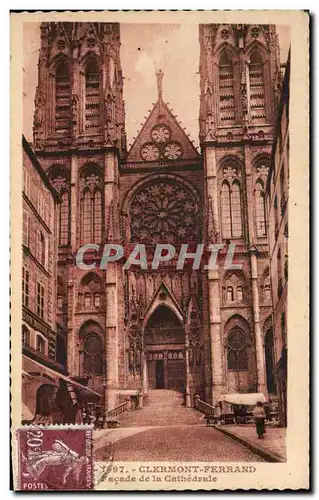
(159, 211)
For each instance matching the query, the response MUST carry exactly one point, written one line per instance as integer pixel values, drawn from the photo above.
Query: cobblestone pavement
(189, 443)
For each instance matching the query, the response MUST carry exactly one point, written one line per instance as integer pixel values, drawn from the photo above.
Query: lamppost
(104, 384)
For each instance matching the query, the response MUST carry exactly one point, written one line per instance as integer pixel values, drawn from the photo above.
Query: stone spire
(159, 75)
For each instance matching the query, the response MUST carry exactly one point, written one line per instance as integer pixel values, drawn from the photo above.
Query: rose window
(163, 212)
(150, 152)
(161, 133)
(172, 151)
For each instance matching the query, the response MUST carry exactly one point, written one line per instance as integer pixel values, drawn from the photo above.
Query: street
(182, 443)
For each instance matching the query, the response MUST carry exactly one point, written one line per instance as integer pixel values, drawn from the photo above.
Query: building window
(227, 109)
(60, 302)
(87, 300)
(260, 209)
(97, 217)
(240, 294)
(267, 292)
(237, 353)
(93, 360)
(92, 96)
(87, 217)
(230, 294)
(40, 344)
(92, 207)
(231, 210)
(226, 210)
(26, 183)
(64, 219)
(41, 248)
(25, 228)
(40, 300)
(236, 211)
(25, 335)
(97, 300)
(62, 99)
(257, 87)
(25, 286)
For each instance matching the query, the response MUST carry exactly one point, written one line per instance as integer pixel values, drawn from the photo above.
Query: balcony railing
(119, 410)
(203, 407)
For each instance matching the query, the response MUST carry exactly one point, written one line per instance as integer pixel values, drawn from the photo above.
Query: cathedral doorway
(164, 340)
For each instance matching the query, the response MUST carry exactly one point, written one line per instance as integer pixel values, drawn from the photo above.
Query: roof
(162, 132)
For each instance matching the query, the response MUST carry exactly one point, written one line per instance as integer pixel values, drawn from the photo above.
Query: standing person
(259, 416)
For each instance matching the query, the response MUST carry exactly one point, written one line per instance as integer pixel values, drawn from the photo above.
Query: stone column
(144, 372)
(72, 340)
(187, 389)
(215, 334)
(75, 211)
(111, 336)
(259, 339)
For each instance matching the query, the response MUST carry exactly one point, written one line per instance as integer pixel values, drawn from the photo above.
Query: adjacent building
(277, 205)
(131, 330)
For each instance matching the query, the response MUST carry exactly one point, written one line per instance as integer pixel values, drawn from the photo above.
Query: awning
(83, 389)
(249, 398)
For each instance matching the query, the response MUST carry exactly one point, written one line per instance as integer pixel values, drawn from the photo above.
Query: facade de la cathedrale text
(109, 336)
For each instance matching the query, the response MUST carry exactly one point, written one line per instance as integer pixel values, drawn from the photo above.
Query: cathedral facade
(126, 331)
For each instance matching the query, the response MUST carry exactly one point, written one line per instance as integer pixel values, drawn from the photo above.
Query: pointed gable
(161, 138)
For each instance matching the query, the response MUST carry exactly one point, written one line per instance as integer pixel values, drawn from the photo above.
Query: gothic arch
(90, 167)
(258, 46)
(91, 350)
(237, 320)
(90, 54)
(225, 47)
(157, 302)
(230, 159)
(261, 159)
(57, 59)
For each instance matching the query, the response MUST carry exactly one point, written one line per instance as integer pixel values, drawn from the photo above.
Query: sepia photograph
(155, 218)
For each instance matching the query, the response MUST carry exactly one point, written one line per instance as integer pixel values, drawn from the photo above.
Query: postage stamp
(159, 234)
(55, 459)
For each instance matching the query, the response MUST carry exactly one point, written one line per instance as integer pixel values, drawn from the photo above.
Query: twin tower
(129, 331)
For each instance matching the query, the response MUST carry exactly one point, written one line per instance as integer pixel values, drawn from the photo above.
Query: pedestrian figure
(259, 416)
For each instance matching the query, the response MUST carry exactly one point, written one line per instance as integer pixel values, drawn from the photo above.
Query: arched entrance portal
(164, 341)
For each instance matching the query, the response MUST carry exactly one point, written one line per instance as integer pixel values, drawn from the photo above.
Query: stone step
(162, 407)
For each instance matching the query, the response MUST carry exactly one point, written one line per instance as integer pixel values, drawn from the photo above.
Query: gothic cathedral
(126, 331)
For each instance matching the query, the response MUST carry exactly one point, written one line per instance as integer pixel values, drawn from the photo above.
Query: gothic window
(97, 217)
(62, 98)
(25, 286)
(60, 179)
(234, 288)
(236, 210)
(257, 87)
(87, 217)
(230, 294)
(25, 336)
(64, 219)
(92, 350)
(231, 200)
(163, 211)
(240, 294)
(260, 209)
(60, 302)
(267, 293)
(91, 207)
(226, 211)
(237, 350)
(92, 96)
(90, 294)
(226, 89)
